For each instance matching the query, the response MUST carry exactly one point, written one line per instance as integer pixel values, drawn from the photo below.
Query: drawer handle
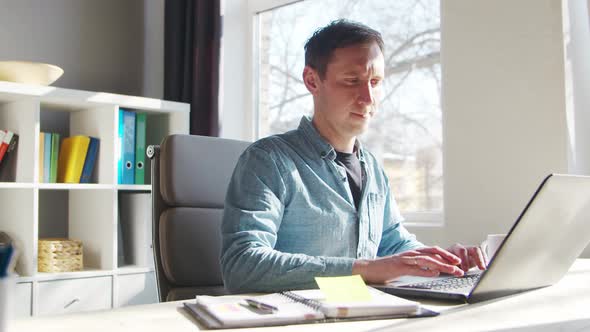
(72, 302)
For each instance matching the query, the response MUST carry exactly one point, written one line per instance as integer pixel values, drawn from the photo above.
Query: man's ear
(311, 79)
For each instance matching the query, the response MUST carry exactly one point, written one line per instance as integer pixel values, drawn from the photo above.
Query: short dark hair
(338, 34)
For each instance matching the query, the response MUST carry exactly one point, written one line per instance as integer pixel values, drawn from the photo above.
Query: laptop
(548, 236)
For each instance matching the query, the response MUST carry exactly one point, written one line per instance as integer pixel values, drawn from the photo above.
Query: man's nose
(365, 94)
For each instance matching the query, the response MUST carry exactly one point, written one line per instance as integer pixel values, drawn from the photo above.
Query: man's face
(346, 99)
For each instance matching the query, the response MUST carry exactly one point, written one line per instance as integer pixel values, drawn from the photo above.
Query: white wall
(236, 87)
(504, 110)
(153, 48)
(577, 73)
(577, 79)
(107, 45)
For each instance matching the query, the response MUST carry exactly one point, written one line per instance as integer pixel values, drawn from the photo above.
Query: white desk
(564, 307)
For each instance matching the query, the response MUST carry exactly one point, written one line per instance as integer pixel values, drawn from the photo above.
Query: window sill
(424, 219)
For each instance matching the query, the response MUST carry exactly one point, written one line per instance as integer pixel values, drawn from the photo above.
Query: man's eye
(352, 80)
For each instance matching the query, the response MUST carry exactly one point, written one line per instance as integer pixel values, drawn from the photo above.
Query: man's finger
(464, 255)
(476, 256)
(413, 253)
(452, 259)
(425, 262)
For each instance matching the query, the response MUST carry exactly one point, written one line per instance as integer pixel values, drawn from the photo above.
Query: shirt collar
(320, 145)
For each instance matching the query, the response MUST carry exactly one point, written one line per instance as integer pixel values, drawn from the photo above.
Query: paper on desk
(344, 289)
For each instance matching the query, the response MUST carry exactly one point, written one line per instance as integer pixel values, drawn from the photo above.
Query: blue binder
(119, 152)
(90, 160)
(127, 147)
(46, 158)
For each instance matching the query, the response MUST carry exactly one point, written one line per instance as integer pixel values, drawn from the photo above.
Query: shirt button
(323, 154)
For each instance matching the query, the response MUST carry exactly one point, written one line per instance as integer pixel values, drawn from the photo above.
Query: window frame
(418, 219)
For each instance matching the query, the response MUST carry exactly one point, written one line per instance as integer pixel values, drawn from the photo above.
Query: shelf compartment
(158, 126)
(134, 289)
(95, 122)
(85, 215)
(21, 118)
(18, 221)
(134, 231)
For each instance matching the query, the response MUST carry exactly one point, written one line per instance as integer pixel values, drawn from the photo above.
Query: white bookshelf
(30, 209)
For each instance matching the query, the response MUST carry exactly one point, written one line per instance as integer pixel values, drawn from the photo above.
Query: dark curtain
(191, 60)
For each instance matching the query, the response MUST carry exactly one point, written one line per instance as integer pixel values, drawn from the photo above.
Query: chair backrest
(190, 175)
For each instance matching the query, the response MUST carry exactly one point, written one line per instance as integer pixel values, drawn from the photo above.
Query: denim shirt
(290, 216)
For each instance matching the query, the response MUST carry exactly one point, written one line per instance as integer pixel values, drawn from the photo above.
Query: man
(313, 202)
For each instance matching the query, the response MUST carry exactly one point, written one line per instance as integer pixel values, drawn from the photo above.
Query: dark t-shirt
(351, 163)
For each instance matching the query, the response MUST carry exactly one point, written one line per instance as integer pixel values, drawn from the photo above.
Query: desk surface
(563, 306)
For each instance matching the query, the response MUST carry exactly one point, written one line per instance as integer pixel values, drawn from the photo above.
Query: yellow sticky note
(344, 289)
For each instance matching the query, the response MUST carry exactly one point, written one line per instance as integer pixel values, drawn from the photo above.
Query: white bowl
(29, 72)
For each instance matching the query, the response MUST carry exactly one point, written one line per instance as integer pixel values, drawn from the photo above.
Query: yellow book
(71, 159)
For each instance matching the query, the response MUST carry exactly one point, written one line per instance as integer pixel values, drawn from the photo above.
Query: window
(406, 133)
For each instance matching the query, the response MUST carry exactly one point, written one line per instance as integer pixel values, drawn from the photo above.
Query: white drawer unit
(137, 288)
(74, 295)
(22, 301)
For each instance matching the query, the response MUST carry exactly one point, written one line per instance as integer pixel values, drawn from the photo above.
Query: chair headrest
(195, 170)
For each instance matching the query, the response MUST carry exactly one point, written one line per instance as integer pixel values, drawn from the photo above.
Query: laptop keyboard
(448, 285)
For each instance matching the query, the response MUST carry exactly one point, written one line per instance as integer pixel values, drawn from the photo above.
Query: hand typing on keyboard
(425, 262)
(470, 256)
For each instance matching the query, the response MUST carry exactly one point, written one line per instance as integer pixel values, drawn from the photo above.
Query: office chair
(189, 176)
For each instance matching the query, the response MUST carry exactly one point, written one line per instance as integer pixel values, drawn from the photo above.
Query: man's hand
(425, 262)
(470, 256)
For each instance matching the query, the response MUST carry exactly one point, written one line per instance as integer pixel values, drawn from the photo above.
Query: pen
(261, 305)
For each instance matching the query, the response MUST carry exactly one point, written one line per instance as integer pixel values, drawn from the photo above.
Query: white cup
(7, 290)
(491, 245)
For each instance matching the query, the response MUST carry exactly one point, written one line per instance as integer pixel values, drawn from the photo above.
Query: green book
(140, 148)
(54, 157)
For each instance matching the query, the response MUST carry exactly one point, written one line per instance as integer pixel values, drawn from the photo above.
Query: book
(126, 147)
(2, 134)
(46, 158)
(140, 122)
(298, 307)
(41, 155)
(71, 158)
(90, 160)
(8, 165)
(54, 157)
(4, 143)
(119, 146)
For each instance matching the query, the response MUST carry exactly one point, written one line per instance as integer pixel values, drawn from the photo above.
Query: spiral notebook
(298, 307)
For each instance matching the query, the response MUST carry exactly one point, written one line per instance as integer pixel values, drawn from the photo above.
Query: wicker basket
(60, 255)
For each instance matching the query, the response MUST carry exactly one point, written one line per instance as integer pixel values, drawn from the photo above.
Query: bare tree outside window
(406, 133)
